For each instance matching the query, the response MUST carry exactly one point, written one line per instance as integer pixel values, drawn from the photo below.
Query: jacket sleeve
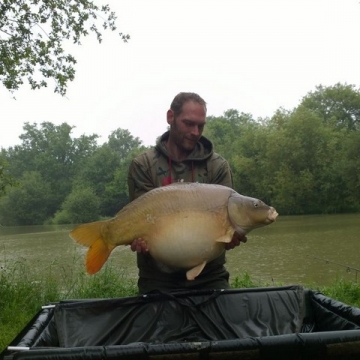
(221, 172)
(139, 178)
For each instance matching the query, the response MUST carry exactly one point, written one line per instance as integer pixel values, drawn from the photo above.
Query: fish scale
(185, 225)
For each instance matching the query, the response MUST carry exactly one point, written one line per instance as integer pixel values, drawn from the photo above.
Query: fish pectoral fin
(97, 255)
(195, 271)
(224, 239)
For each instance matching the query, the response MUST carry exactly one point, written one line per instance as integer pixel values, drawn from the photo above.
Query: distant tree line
(62, 179)
(302, 161)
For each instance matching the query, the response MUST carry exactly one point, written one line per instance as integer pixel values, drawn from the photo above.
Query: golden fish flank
(185, 225)
(151, 219)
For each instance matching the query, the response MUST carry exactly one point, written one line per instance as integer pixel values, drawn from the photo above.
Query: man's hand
(235, 241)
(140, 246)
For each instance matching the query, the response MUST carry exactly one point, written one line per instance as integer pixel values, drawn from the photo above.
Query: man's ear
(170, 117)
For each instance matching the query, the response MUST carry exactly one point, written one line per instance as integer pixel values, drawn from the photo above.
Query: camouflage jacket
(155, 168)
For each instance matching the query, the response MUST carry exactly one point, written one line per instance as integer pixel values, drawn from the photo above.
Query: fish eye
(258, 203)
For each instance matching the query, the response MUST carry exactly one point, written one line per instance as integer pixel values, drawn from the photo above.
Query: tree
(33, 34)
(29, 203)
(105, 166)
(116, 194)
(350, 167)
(225, 130)
(98, 171)
(338, 105)
(234, 137)
(6, 180)
(303, 164)
(50, 151)
(81, 205)
(122, 142)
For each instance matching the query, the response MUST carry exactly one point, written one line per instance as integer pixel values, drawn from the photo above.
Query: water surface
(294, 250)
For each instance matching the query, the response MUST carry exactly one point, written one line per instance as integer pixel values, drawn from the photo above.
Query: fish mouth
(273, 215)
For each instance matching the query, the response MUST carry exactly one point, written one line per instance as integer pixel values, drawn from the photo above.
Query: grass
(347, 292)
(22, 293)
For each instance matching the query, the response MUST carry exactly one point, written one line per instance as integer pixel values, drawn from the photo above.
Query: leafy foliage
(29, 203)
(338, 104)
(80, 206)
(66, 180)
(104, 170)
(49, 150)
(6, 180)
(299, 161)
(33, 34)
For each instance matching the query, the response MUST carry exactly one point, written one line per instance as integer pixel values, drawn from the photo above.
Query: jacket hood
(202, 150)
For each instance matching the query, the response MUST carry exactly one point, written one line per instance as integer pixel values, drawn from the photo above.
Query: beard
(183, 141)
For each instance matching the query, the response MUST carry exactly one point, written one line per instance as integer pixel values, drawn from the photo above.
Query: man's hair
(181, 98)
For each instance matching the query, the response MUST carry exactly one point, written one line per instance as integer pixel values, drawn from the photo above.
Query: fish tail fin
(90, 235)
(87, 234)
(97, 255)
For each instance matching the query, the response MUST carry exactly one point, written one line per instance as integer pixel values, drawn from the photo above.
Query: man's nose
(195, 131)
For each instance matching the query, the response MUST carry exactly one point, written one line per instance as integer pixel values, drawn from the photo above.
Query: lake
(311, 249)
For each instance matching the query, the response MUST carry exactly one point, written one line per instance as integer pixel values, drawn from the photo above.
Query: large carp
(185, 225)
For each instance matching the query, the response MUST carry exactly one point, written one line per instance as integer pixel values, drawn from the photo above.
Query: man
(181, 154)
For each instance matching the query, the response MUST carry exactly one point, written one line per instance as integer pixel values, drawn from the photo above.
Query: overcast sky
(251, 55)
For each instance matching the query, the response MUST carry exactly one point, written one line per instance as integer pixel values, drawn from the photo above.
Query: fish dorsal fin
(195, 271)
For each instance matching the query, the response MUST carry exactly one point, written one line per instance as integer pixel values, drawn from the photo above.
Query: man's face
(187, 127)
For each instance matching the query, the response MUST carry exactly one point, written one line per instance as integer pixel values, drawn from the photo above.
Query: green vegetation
(345, 291)
(304, 161)
(23, 294)
(6, 180)
(34, 35)
(65, 180)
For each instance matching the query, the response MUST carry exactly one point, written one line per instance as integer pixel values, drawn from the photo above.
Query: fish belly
(186, 239)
